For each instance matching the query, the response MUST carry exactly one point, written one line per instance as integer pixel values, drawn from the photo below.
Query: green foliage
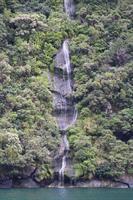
(101, 49)
(101, 54)
(28, 135)
(10, 148)
(3, 32)
(43, 173)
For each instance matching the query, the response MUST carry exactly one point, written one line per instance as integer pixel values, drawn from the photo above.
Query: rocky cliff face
(88, 52)
(64, 107)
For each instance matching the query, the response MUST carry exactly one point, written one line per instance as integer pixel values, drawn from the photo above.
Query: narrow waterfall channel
(69, 7)
(64, 108)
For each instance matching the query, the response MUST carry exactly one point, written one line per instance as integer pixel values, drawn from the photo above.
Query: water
(69, 7)
(61, 171)
(66, 57)
(66, 194)
(65, 112)
(64, 108)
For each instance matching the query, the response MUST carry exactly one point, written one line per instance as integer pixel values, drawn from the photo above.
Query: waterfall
(61, 171)
(64, 108)
(67, 57)
(69, 7)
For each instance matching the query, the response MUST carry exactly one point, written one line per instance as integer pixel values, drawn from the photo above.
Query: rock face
(26, 183)
(6, 182)
(64, 108)
(27, 172)
(101, 184)
(128, 179)
(125, 181)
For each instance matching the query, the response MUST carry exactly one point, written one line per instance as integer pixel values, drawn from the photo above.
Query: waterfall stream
(69, 7)
(64, 108)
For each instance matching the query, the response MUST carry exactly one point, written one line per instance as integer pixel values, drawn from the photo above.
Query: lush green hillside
(102, 56)
(101, 44)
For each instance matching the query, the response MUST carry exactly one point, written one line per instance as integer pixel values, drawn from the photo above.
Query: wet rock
(5, 182)
(28, 171)
(128, 179)
(26, 183)
(101, 183)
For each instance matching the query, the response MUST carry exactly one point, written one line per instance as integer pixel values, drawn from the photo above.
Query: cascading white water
(64, 108)
(67, 57)
(69, 7)
(65, 148)
(61, 171)
(67, 65)
(65, 112)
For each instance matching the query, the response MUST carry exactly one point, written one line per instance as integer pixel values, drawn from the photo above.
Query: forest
(101, 53)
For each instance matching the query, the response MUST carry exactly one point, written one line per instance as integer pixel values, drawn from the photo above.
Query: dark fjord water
(66, 194)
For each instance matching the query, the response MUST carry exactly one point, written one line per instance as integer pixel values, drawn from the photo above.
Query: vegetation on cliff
(101, 45)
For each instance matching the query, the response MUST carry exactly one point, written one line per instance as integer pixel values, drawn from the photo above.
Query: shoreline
(123, 183)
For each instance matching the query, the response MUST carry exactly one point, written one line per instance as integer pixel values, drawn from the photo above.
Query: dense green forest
(101, 49)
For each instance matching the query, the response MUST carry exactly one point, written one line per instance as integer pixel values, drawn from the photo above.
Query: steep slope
(102, 57)
(28, 135)
(101, 54)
